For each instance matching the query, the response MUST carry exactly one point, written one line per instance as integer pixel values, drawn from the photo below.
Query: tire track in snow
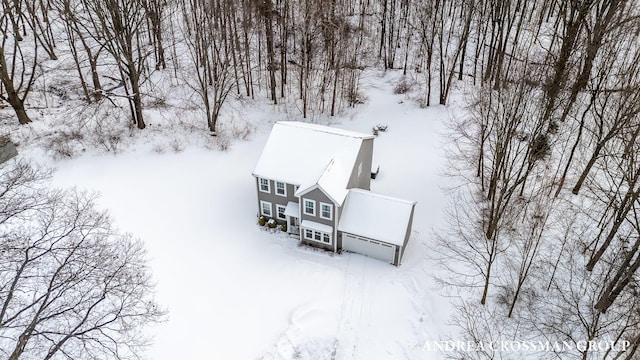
(354, 311)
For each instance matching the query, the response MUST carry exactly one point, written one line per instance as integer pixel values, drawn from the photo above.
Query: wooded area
(545, 228)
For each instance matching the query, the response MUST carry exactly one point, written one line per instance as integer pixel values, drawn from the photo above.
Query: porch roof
(293, 209)
(316, 226)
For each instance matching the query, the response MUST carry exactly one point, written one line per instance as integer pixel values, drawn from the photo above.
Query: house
(316, 180)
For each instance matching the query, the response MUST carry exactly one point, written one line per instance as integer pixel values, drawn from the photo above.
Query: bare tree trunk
(267, 14)
(13, 96)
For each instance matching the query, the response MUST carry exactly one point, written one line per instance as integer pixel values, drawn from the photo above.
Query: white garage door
(368, 247)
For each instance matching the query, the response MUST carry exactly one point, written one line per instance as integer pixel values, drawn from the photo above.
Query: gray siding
(363, 161)
(273, 198)
(318, 196)
(397, 255)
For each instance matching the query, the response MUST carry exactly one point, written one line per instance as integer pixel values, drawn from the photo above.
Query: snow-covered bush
(107, 130)
(158, 148)
(242, 131)
(176, 146)
(403, 86)
(223, 142)
(283, 227)
(272, 224)
(60, 144)
(262, 221)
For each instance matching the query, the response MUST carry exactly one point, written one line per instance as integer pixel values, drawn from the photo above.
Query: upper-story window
(281, 188)
(326, 211)
(264, 185)
(309, 207)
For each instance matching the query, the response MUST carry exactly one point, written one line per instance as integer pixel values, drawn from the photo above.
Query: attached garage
(369, 247)
(375, 225)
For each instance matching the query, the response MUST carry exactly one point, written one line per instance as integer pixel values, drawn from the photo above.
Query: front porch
(293, 222)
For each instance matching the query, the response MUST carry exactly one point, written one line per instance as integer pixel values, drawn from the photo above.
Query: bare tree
(82, 45)
(71, 286)
(267, 12)
(18, 61)
(205, 33)
(452, 38)
(120, 26)
(529, 241)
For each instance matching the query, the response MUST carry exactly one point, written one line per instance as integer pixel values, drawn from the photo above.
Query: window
(264, 185)
(281, 188)
(326, 238)
(309, 207)
(317, 236)
(281, 209)
(325, 211)
(265, 208)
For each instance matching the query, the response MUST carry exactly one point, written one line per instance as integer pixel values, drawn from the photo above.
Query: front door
(294, 225)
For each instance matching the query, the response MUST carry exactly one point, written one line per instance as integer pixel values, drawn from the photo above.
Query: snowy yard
(236, 291)
(514, 126)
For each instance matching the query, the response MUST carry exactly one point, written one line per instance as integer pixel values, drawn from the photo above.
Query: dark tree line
(309, 53)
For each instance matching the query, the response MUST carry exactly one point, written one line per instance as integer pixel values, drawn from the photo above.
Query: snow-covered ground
(236, 291)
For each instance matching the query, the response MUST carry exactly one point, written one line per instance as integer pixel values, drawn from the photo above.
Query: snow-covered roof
(336, 176)
(309, 154)
(316, 226)
(333, 180)
(292, 209)
(376, 216)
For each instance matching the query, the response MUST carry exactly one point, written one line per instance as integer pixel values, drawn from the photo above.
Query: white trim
(304, 207)
(284, 209)
(268, 185)
(262, 206)
(320, 234)
(284, 184)
(316, 226)
(305, 234)
(318, 187)
(293, 209)
(330, 211)
(371, 244)
(307, 188)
